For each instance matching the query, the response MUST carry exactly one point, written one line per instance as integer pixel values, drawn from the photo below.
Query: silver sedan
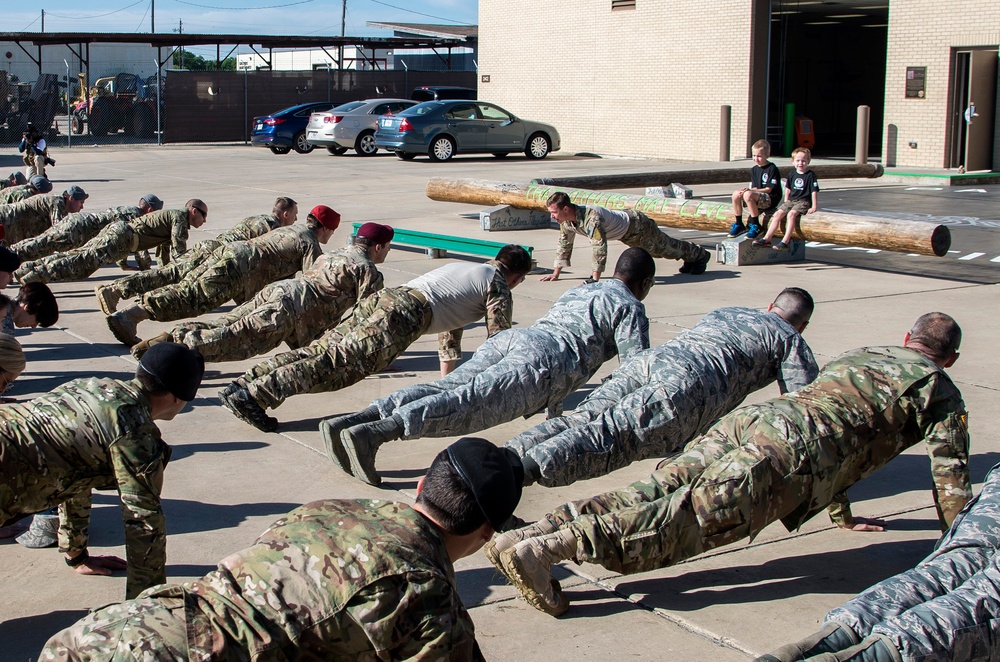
(352, 125)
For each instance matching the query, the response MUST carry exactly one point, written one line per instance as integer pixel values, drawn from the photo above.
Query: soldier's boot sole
(331, 429)
(528, 566)
(245, 408)
(107, 298)
(142, 347)
(122, 331)
(501, 542)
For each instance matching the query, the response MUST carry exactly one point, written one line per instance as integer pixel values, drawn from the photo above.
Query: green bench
(438, 245)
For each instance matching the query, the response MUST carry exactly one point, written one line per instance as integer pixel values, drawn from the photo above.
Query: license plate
(313, 133)
(258, 126)
(385, 123)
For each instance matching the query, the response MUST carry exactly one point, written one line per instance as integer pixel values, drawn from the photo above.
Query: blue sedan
(441, 129)
(285, 130)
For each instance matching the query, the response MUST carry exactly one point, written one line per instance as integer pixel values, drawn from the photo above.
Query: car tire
(365, 144)
(337, 150)
(442, 149)
(501, 155)
(279, 150)
(538, 146)
(300, 144)
(406, 156)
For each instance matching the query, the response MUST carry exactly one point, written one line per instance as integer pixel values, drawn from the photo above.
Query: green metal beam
(446, 242)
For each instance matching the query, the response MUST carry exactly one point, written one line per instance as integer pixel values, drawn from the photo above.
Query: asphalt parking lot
(227, 481)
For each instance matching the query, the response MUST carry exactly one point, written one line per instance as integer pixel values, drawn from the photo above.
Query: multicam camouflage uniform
(332, 580)
(88, 434)
(71, 232)
(641, 232)
(786, 459)
(663, 398)
(520, 372)
(237, 270)
(146, 281)
(294, 311)
(31, 217)
(17, 193)
(111, 244)
(946, 607)
(381, 327)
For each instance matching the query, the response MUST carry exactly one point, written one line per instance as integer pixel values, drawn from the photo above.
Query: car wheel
(280, 150)
(501, 155)
(77, 122)
(337, 150)
(538, 146)
(406, 156)
(441, 149)
(300, 144)
(365, 144)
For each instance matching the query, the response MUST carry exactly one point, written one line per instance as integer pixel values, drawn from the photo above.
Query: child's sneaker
(737, 229)
(781, 246)
(761, 242)
(754, 230)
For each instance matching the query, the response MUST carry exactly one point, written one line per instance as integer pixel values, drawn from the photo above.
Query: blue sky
(281, 17)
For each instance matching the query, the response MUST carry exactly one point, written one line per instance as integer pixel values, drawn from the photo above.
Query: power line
(290, 4)
(440, 18)
(87, 18)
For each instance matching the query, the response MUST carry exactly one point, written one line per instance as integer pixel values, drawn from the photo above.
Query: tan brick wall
(647, 82)
(922, 33)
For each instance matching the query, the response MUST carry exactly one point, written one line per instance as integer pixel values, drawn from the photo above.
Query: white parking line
(971, 256)
(996, 259)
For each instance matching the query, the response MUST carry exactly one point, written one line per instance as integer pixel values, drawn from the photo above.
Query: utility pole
(152, 16)
(43, 17)
(180, 30)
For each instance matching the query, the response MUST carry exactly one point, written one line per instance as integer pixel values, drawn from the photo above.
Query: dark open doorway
(827, 58)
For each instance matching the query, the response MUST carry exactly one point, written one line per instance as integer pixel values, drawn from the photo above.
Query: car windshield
(348, 107)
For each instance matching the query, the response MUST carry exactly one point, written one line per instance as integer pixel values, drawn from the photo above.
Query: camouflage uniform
(381, 327)
(786, 459)
(71, 232)
(237, 271)
(294, 311)
(661, 399)
(167, 274)
(114, 242)
(332, 580)
(31, 217)
(641, 232)
(12, 194)
(520, 372)
(88, 434)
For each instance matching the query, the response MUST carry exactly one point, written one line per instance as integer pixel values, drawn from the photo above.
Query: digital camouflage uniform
(520, 372)
(786, 459)
(332, 580)
(946, 608)
(17, 193)
(641, 232)
(237, 270)
(146, 281)
(661, 399)
(294, 311)
(168, 227)
(88, 434)
(381, 328)
(31, 217)
(72, 231)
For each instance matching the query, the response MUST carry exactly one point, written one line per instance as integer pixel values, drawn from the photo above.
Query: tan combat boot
(108, 297)
(528, 566)
(504, 541)
(362, 442)
(123, 324)
(143, 346)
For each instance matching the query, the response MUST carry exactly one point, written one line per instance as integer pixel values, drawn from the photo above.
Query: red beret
(376, 233)
(326, 217)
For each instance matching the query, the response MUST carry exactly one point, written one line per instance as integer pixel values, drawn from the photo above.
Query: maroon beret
(376, 233)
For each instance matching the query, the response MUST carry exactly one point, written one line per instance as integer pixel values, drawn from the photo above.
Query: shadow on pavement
(181, 452)
(23, 638)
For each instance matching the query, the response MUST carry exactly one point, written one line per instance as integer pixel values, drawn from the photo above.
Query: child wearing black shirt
(761, 196)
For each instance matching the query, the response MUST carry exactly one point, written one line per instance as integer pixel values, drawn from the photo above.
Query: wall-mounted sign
(915, 82)
(485, 78)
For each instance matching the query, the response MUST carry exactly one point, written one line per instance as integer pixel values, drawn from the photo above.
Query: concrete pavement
(228, 481)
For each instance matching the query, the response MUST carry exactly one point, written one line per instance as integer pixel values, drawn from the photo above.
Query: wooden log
(706, 176)
(844, 229)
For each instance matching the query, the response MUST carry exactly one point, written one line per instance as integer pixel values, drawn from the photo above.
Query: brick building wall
(643, 82)
(923, 33)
